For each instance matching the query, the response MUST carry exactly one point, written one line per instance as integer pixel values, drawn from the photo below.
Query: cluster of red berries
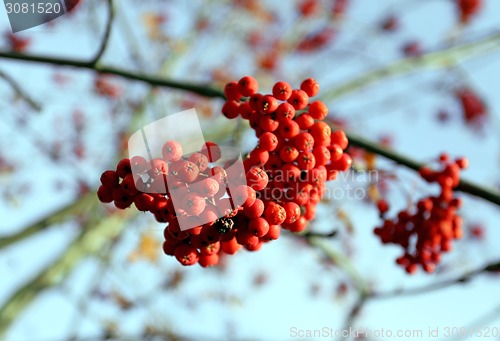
(473, 108)
(297, 151)
(468, 8)
(427, 230)
(283, 179)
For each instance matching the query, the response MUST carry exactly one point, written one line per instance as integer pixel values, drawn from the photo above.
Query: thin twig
(20, 92)
(107, 33)
(492, 267)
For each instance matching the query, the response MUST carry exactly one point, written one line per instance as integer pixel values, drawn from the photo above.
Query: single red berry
(285, 111)
(298, 99)
(128, 185)
(382, 206)
(193, 204)
(123, 168)
(138, 165)
(282, 91)
(110, 179)
(462, 163)
(212, 151)
(208, 260)
(200, 160)
(186, 254)
(207, 187)
(258, 227)
(188, 172)
(273, 233)
(268, 141)
(232, 91)
(318, 110)
(230, 247)
(322, 155)
(321, 133)
(288, 153)
(269, 123)
(144, 202)
(257, 178)
(304, 141)
(231, 109)
(297, 226)
(248, 86)
(310, 87)
(306, 160)
(339, 137)
(288, 129)
(268, 104)
(255, 210)
(254, 101)
(275, 214)
(171, 151)
(305, 121)
(105, 194)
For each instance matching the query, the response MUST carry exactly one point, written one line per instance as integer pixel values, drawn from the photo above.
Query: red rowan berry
(321, 133)
(306, 160)
(259, 157)
(128, 185)
(289, 129)
(257, 178)
(297, 226)
(304, 141)
(231, 109)
(258, 227)
(268, 104)
(462, 163)
(285, 111)
(310, 87)
(171, 151)
(255, 210)
(144, 202)
(288, 153)
(232, 91)
(186, 254)
(123, 168)
(105, 194)
(318, 110)
(200, 160)
(207, 187)
(273, 233)
(254, 101)
(274, 213)
(110, 179)
(210, 249)
(212, 151)
(268, 123)
(230, 247)
(305, 121)
(188, 172)
(121, 199)
(208, 260)
(282, 91)
(193, 204)
(298, 99)
(247, 86)
(138, 164)
(268, 141)
(244, 195)
(322, 155)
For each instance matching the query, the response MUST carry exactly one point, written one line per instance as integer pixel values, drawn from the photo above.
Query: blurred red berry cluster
(428, 229)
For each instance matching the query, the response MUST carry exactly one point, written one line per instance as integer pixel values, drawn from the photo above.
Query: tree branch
(20, 92)
(107, 33)
(492, 267)
(433, 60)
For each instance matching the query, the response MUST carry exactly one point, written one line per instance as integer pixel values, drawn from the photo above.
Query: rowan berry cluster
(283, 179)
(297, 151)
(427, 230)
